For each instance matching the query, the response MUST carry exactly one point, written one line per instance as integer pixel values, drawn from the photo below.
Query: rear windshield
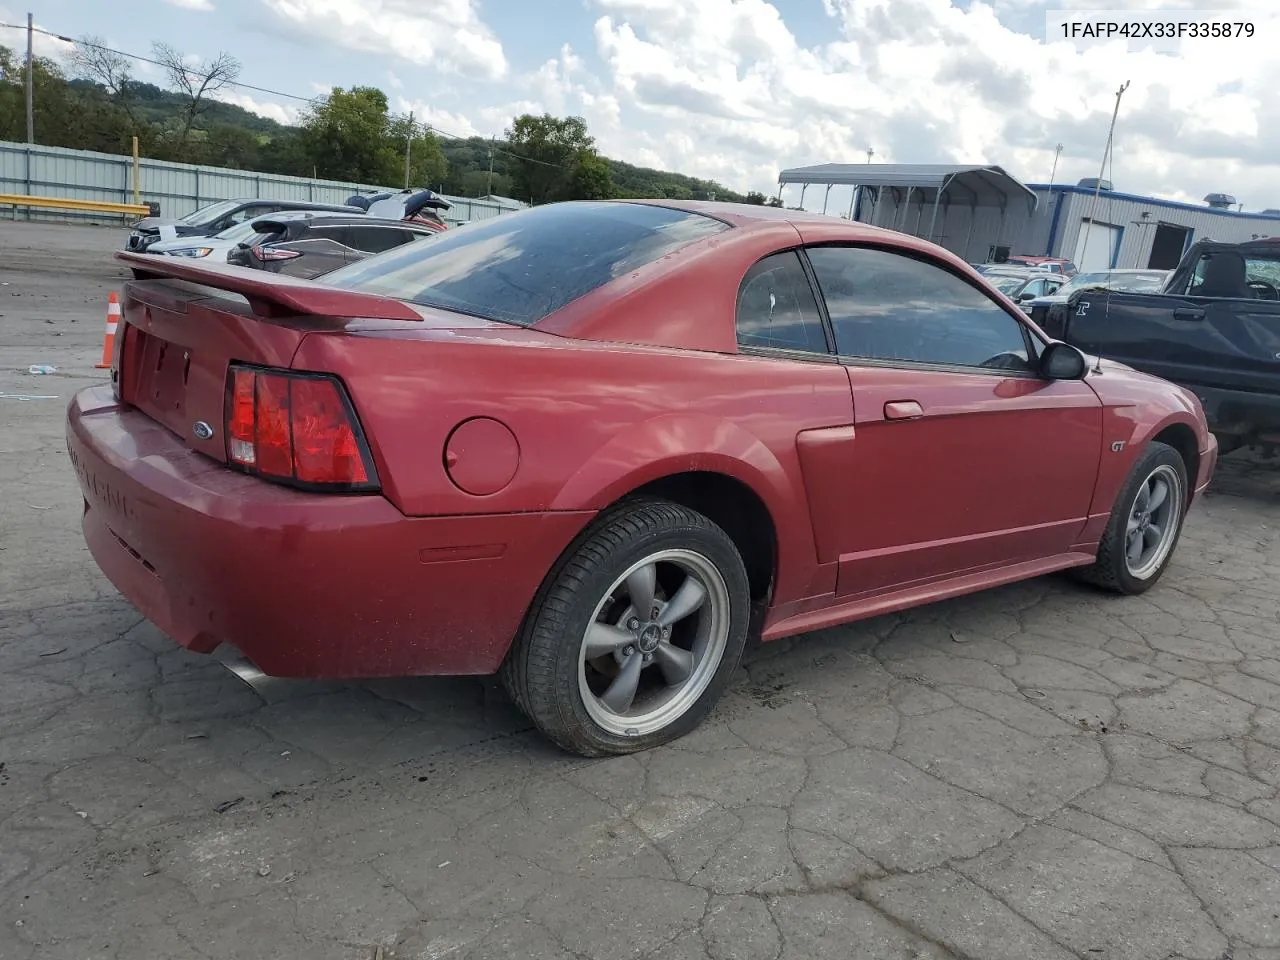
(521, 267)
(240, 231)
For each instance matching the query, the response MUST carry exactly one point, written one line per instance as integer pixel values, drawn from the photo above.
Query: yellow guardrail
(83, 206)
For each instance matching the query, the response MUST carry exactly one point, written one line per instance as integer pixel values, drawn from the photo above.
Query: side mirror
(1062, 361)
(1026, 295)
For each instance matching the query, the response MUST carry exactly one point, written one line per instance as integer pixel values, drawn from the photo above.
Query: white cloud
(446, 123)
(42, 44)
(723, 89)
(204, 6)
(279, 112)
(444, 34)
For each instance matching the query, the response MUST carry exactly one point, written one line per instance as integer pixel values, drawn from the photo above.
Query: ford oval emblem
(202, 430)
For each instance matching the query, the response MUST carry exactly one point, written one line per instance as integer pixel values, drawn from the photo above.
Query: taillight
(269, 254)
(296, 428)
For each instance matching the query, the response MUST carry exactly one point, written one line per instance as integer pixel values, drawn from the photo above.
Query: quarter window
(777, 308)
(889, 306)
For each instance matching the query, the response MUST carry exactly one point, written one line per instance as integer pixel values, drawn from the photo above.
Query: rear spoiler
(273, 295)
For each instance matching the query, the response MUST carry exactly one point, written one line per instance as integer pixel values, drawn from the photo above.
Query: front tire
(636, 636)
(1145, 524)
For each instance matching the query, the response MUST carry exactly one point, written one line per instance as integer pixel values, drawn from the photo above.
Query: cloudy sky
(734, 90)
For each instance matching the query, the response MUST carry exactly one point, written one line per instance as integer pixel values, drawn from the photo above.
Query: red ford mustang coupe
(595, 447)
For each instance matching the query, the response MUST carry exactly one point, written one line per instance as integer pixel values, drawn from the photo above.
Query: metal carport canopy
(986, 186)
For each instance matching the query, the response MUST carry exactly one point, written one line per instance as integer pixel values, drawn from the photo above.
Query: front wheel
(1145, 524)
(636, 636)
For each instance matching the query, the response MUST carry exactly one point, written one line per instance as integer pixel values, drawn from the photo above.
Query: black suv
(216, 217)
(302, 245)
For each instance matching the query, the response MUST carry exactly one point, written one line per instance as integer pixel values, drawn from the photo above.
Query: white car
(217, 246)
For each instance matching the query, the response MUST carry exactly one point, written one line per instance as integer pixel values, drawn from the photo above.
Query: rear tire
(598, 673)
(1145, 524)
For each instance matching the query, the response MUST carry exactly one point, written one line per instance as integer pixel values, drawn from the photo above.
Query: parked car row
(1053, 265)
(297, 238)
(598, 447)
(1023, 285)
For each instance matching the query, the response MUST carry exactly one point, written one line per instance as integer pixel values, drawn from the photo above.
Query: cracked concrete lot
(1039, 772)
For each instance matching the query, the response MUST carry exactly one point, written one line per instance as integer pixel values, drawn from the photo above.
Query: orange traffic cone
(109, 339)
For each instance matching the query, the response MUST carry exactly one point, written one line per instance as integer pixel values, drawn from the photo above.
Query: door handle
(903, 410)
(1188, 313)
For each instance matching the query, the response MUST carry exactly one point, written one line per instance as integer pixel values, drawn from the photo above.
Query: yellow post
(137, 174)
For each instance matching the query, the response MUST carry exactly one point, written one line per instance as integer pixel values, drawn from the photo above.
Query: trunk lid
(177, 339)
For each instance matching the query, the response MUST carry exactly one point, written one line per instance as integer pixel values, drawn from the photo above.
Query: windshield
(1080, 281)
(1006, 283)
(241, 231)
(210, 213)
(521, 267)
(1145, 282)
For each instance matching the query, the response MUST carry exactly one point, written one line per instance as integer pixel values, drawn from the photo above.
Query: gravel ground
(1042, 771)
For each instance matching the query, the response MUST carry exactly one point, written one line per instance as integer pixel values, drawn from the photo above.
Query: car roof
(744, 214)
(1016, 271)
(353, 216)
(750, 216)
(1151, 270)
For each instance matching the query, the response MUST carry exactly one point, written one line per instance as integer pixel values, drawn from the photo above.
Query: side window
(243, 214)
(1228, 274)
(889, 306)
(1035, 288)
(336, 234)
(373, 239)
(776, 307)
(1263, 277)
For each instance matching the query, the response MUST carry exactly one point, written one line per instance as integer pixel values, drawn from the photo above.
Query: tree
(64, 116)
(554, 159)
(345, 136)
(427, 165)
(195, 82)
(91, 60)
(229, 146)
(592, 179)
(756, 197)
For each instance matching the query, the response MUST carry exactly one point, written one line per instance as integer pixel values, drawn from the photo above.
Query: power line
(153, 62)
(267, 90)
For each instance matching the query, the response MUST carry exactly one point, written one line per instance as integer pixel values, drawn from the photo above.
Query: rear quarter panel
(593, 421)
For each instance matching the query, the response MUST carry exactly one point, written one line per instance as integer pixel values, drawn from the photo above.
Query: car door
(966, 458)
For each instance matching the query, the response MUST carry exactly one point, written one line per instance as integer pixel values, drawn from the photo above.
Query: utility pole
(408, 149)
(1097, 186)
(489, 189)
(31, 82)
(1057, 152)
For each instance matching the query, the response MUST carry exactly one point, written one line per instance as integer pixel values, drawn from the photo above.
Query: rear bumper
(305, 585)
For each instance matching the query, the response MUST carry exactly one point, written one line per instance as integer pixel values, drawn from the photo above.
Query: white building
(978, 212)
